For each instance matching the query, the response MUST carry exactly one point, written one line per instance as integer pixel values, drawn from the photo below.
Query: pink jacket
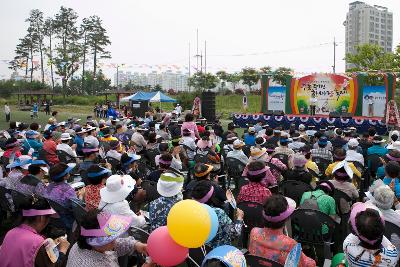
(20, 247)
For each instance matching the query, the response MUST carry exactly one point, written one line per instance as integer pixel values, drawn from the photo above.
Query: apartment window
(377, 19)
(383, 20)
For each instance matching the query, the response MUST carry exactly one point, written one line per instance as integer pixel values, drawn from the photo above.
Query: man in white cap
(178, 110)
(352, 154)
(237, 152)
(64, 145)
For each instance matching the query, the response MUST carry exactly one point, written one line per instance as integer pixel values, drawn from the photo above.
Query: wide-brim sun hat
(256, 152)
(170, 184)
(57, 177)
(204, 172)
(229, 255)
(111, 227)
(285, 214)
(23, 161)
(117, 188)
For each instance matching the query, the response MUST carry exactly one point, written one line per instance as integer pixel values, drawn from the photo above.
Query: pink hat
(202, 144)
(111, 227)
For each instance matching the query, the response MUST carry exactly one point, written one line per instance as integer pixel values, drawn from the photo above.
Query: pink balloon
(163, 250)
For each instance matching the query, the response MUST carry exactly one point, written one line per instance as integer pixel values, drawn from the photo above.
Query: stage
(361, 123)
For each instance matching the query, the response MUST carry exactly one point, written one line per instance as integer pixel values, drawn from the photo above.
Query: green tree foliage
(234, 79)
(370, 57)
(203, 81)
(250, 76)
(281, 75)
(266, 70)
(48, 31)
(223, 76)
(35, 29)
(7, 87)
(102, 83)
(68, 49)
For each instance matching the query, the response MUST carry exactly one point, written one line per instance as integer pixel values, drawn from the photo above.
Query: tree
(97, 41)
(85, 28)
(157, 87)
(370, 57)
(68, 50)
(250, 77)
(102, 83)
(234, 79)
(36, 32)
(266, 70)
(48, 31)
(21, 60)
(281, 75)
(223, 76)
(201, 80)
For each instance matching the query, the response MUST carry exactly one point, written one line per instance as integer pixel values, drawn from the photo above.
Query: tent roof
(149, 96)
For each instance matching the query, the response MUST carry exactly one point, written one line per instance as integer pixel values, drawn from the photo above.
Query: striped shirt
(356, 255)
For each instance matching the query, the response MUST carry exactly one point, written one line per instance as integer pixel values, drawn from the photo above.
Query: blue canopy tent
(149, 96)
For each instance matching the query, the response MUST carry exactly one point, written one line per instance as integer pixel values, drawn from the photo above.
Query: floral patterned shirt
(92, 196)
(227, 230)
(159, 209)
(273, 244)
(60, 192)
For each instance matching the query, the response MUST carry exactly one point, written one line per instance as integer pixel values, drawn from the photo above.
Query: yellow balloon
(189, 223)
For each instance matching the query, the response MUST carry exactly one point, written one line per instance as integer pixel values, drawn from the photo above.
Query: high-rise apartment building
(367, 24)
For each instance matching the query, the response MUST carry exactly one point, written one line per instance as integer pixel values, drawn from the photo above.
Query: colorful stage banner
(276, 98)
(374, 101)
(333, 93)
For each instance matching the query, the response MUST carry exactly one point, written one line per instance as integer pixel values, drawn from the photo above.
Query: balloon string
(203, 249)
(137, 228)
(190, 258)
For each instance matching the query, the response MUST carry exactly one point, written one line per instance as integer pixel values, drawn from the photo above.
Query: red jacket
(51, 148)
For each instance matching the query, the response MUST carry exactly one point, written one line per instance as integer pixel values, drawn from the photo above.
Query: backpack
(311, 203)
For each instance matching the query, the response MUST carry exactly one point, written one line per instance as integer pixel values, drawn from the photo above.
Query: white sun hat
(117, 188)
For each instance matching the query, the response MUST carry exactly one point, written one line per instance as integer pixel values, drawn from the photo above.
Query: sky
(253, 33)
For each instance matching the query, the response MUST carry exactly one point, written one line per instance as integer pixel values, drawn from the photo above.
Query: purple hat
(356, 209)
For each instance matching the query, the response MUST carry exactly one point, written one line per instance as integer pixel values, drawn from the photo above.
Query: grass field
(225, 105)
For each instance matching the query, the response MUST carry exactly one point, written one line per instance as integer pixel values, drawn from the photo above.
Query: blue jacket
(387, 181)
(250, 139)
(377, 149)
(32, 143)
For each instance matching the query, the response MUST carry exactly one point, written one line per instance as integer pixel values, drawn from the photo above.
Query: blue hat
(38, 162)
(229, 255)
(323, 140)
(57, 176)
(284, 140)
(20, 163)
(31, 133)
(128, 160)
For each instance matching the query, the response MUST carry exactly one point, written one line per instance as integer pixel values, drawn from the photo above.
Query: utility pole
(334, 55)
(189, 64)
(205, 57)
(117, 75)
(197, 49)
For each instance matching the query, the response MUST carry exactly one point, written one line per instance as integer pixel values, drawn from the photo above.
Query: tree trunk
(26, 66)
(94, 68)
(51, 64)
(83, 64)
(31, 48)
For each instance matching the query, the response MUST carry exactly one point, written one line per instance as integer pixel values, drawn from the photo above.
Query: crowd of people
(83, 193)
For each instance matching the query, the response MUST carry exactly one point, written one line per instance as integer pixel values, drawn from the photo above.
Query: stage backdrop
(276, 98)
(333, 92)
(378, 96)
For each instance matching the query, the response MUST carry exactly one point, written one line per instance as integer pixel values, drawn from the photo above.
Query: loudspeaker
(279, 113)
(334, 114)
(208, 105)
(139, 108)
(269, 113)
(346, 115)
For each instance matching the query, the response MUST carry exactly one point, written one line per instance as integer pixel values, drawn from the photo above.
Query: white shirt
(114, 154)
(296, 145)
(313, 101)
(7, 109)
(66, 148)
(238, 154)
(352, 249)
(178, 109)
(122, 208)
(352, 155)
(189, 142)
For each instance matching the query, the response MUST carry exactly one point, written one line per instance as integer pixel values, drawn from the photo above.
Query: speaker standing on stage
(371, 106)
(313, 104)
